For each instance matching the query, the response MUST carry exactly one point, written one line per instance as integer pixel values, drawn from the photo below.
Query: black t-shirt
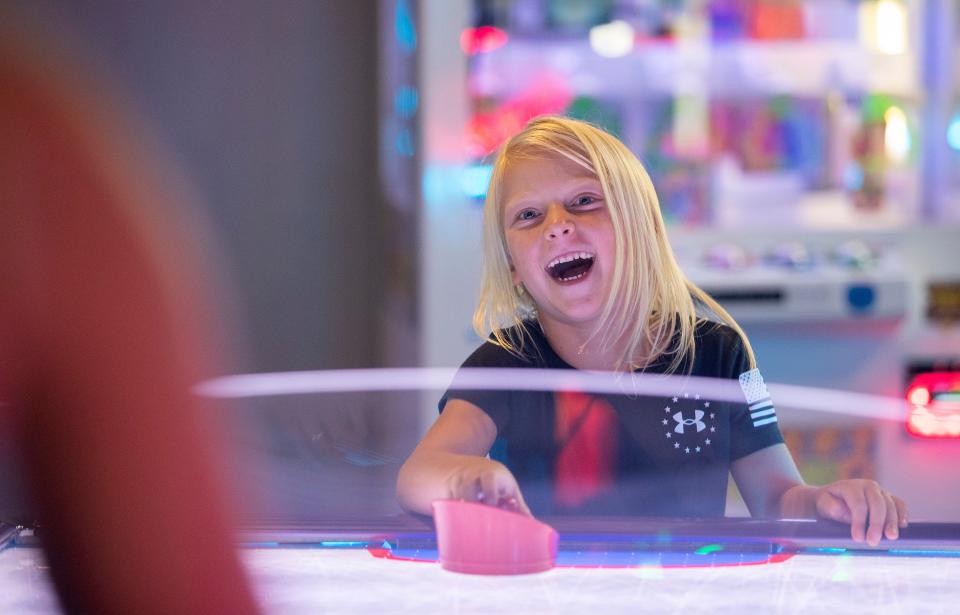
(672, 454)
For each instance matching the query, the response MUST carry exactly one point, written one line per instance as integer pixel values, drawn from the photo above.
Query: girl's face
(560, 238)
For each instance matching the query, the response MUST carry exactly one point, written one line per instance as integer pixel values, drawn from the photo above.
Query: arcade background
(340, 148)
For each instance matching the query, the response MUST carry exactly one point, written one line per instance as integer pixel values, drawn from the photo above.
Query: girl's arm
(772, 486)
(763, 477)
(450, 463)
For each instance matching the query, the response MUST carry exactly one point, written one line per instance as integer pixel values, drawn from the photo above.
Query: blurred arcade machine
(807, 158)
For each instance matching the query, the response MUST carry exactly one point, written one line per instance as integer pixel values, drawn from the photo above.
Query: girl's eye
(527, 214)
(584, 200)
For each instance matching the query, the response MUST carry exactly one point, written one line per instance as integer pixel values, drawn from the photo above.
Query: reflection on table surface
(333, 566)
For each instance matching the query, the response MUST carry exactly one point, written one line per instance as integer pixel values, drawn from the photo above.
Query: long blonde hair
(652, 304)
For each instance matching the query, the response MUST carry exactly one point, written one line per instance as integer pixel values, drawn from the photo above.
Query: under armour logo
(682, 422)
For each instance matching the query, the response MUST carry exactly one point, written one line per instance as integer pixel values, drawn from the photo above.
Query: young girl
(579, 274)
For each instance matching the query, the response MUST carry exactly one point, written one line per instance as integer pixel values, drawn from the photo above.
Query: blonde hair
(652, 304)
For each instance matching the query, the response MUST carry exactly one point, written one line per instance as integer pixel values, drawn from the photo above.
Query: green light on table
(708, 549)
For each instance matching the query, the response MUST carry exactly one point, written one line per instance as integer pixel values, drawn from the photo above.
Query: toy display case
(745, 112)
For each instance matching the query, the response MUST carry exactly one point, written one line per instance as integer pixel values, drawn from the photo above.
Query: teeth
(569, 257)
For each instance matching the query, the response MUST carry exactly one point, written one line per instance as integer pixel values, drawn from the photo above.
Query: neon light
(919, 396)
(259, 545)
(482, 39)
(324, 544)
(926, 552)
(925, 422)
(708, 549)
(953, 133)
(896, 135)
(405, 31)
(345, 544)
(404, 142)
(883, 26)
(935, 411)
(891, 27)
(405, 101)
(938, 382)
(475, 180)
(441, 187)
(649, 561)
(612, 40)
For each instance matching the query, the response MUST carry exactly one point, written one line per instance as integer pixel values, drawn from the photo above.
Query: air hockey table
(609, 565)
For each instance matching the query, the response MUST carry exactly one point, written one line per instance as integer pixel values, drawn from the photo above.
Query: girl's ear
(513, 274)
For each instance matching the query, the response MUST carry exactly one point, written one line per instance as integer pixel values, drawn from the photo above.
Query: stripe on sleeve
(762, 413)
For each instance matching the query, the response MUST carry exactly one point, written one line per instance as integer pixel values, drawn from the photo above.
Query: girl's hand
(871, 511)
(487, 481)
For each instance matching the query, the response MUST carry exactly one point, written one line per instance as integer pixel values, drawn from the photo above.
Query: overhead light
(883, 26)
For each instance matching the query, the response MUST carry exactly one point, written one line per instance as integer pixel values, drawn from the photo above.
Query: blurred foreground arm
(102, 334)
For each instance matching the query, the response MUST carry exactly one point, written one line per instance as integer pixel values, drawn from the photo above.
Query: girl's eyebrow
(571, 186)
(582, 179)
(519, 201)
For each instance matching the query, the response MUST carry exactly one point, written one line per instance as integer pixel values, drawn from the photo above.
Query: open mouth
(570, 267)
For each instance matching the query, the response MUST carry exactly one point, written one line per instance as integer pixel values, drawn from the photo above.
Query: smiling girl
(579, 274)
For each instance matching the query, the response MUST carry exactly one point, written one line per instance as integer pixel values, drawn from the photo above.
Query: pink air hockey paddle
(480, 539)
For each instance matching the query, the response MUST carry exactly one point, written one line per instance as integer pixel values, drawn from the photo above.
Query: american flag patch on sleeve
(761, 407)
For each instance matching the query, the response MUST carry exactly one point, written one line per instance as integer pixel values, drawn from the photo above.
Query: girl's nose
(558, 223)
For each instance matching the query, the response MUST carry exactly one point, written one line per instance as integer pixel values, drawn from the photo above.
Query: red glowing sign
(934, 410)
